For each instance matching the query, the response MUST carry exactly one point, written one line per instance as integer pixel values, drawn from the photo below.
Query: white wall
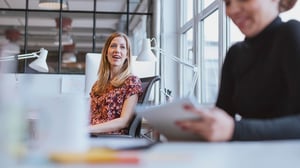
(47, 84)
(27, 89)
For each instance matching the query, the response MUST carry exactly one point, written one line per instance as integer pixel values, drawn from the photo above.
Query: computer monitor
(92, 62)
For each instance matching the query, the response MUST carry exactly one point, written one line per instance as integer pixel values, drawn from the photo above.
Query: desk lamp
(39, 64)
(147, 55)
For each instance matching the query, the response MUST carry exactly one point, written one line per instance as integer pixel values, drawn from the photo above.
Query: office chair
(136, 122)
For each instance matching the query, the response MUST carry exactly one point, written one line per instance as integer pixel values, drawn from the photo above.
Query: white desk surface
(271, 154)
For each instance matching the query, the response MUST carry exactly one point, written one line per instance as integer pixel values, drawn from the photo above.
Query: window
(200, 46)
(207, 2)
(187, 10)
(69, 33)
(189, 58)
(210, 59)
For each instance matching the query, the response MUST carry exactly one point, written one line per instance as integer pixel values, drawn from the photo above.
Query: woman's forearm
(271, 129)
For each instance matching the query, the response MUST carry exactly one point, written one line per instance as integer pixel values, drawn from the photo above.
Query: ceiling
(111, 15)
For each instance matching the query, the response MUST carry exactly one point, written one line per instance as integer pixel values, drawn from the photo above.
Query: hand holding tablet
(163, 118)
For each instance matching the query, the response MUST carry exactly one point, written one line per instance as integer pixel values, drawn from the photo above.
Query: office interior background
(196, 31)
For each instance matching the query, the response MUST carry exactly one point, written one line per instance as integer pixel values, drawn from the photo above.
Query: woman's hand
(213, 124)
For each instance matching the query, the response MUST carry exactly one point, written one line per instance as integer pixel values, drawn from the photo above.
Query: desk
(272, 154)
(226, 155)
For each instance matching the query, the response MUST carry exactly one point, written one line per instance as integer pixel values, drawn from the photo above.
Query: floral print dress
(108, 106)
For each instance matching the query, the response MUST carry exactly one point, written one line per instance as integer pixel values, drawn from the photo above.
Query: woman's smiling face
(252, 16)
(117, 52)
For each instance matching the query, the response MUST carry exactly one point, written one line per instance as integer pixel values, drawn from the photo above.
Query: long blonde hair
(104, 70)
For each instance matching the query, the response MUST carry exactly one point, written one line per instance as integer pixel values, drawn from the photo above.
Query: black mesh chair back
(147, 84)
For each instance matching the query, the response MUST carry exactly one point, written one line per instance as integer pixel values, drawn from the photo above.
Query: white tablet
(163, 118)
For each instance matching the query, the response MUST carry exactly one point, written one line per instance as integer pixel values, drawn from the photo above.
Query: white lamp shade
(146, 54)
(40, 64)
(52, 4)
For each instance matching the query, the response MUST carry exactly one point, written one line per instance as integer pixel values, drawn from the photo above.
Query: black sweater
(261, 82)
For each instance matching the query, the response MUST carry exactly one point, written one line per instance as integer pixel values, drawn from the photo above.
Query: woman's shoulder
(132, 79)
(292, 23)
(289, 32)
(291, 27)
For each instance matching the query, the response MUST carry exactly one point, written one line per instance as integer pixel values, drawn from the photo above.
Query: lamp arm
(147, 46)
(26, 56)
(177, 59)
(194, 81)
(8, 58)
(20, 56)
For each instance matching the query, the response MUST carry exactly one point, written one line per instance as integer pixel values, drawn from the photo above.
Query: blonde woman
(116, 91)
